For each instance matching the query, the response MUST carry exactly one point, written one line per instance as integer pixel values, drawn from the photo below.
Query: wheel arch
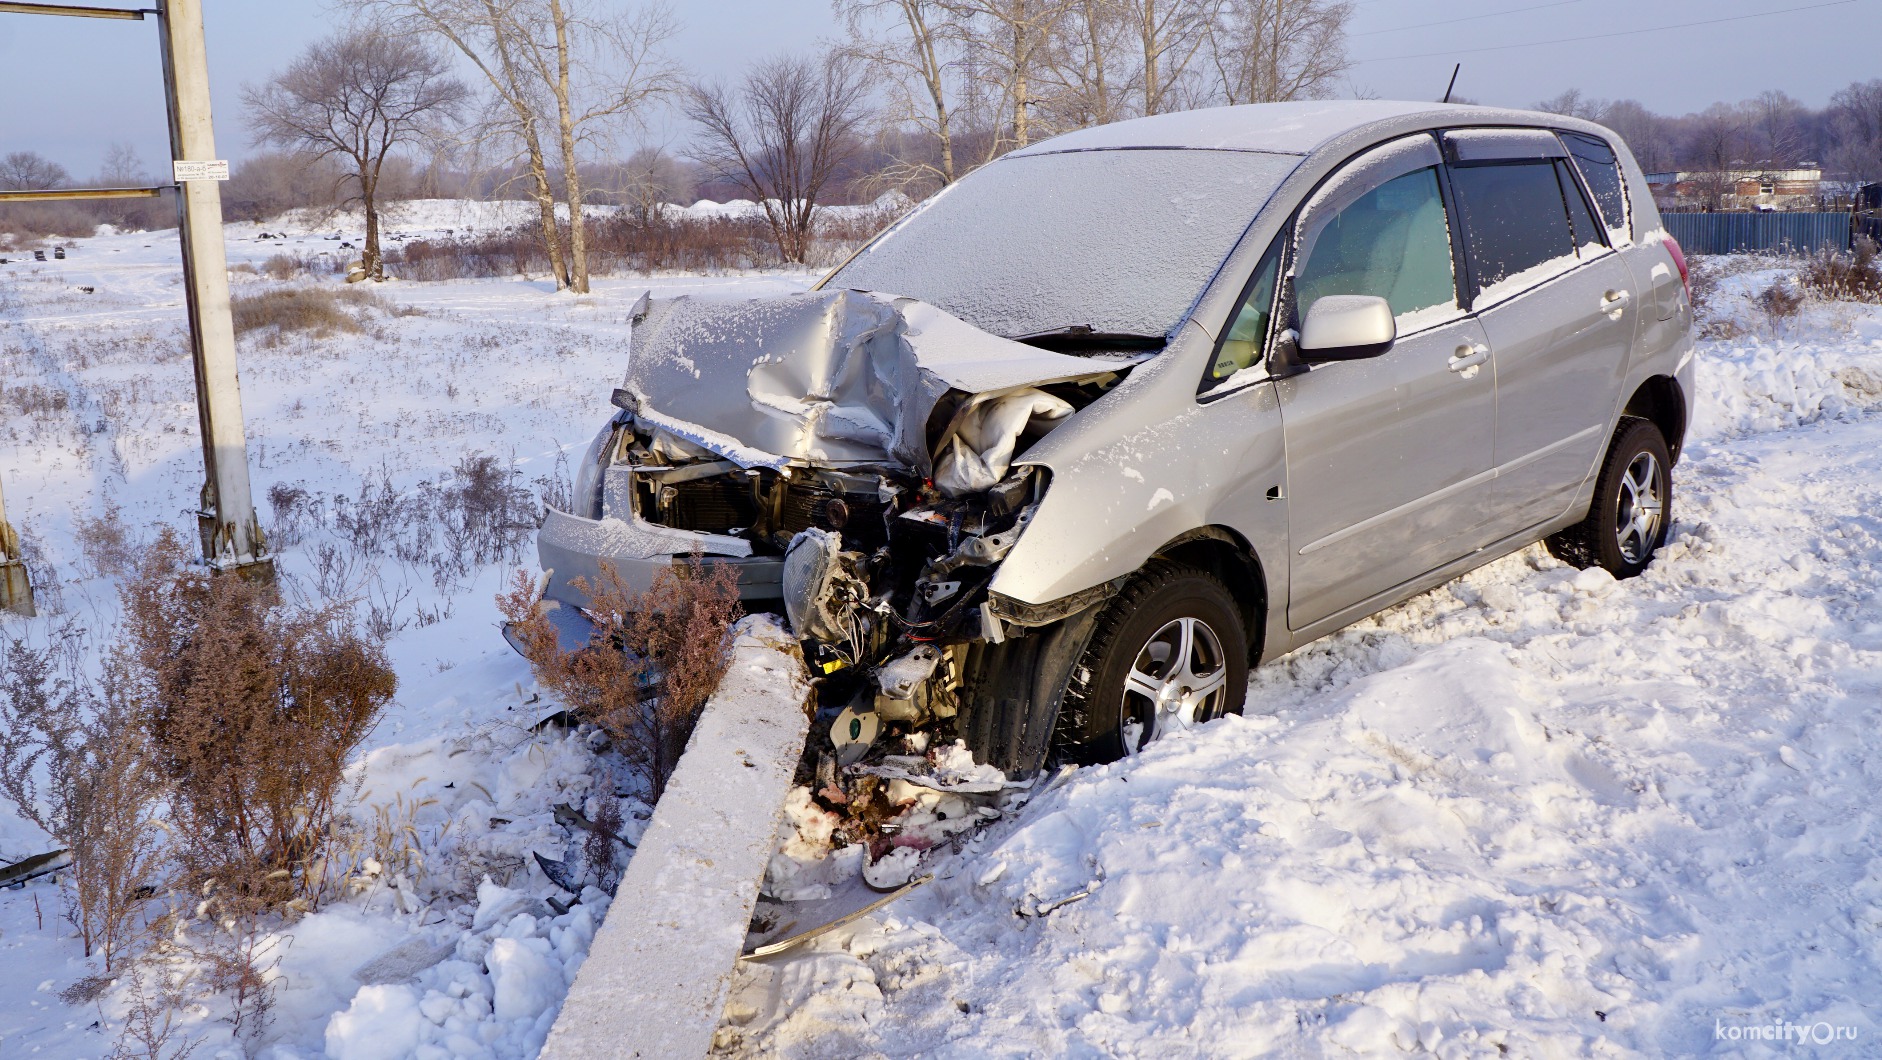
(1660, 401)
(1227, 555)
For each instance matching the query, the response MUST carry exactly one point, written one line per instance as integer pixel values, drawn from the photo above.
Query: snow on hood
(824, 377)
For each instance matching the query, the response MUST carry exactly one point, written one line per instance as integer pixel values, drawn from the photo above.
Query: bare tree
(1573, 104)
(649, 179)
(1085, 77)
(485, 32)
(1007, 44)
(1775, 123)
(914, 55)
(30, 171)
(360, 96)
(1168, 34)
(624, 68)
(567, 68)
(1648, 134)
(1266, 51)
(1715, 143)
(782, 137)
(1856, 119)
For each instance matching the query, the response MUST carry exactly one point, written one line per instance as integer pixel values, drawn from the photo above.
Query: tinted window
(1120, 241)
(1579, 218)
(1248, 332)
(1392, 242)
(1598, 166)
(1514, 219)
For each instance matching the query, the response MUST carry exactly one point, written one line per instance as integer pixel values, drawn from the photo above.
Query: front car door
(1559, 306)
(1388, 459)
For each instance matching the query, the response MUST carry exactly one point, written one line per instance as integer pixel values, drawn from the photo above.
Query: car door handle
(1468, 356)
(1613, 301)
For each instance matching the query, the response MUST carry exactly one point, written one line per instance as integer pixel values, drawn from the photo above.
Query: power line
(1604, 36)
(1466, 18)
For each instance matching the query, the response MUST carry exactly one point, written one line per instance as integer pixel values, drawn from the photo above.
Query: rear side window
(1393, 242)
(1602, 170)
(1514, 220)
(1588, 236)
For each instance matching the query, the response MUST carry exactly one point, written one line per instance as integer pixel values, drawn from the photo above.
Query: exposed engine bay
(855, 457)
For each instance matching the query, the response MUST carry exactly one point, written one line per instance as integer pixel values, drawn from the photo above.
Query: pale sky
(70, 87)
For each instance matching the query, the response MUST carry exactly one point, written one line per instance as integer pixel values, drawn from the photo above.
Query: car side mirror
(1347, 327)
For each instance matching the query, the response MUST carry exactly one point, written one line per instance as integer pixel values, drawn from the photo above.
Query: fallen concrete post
(661, 966)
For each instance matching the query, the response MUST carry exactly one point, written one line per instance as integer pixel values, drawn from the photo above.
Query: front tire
(1632, 509)
(1168, 654)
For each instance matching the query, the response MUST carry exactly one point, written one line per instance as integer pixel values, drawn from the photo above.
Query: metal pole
(231, 536)
(16, 589)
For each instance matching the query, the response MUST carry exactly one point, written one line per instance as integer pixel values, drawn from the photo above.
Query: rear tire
(1169, 653)
(1632, 509)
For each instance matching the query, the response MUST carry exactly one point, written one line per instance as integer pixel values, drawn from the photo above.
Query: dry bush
(107, 544)
(1780, 301)
(76, 759)
(253, 707)
(650, 664)
(294, 266)
(321, 310)
(1852, 277)
(599, 848)
(481, 513)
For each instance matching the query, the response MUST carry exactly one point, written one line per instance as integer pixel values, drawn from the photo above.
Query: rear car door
(1388, 459)
(1663, 315)
(1560, 309)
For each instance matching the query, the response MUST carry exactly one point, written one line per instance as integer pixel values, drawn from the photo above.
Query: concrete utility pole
(231, 536)
(16, 590)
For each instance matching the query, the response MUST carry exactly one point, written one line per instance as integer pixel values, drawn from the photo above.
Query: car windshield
(1120, 242)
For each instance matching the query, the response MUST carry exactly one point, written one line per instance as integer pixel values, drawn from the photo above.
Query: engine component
(899, 678)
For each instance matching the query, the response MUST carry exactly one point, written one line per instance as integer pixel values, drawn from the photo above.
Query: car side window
(1247, 334)
(1589, 237)
(1515, 220)
(1393, 241)
(1601, 169)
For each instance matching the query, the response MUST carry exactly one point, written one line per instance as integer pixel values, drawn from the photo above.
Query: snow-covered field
(1533, 813)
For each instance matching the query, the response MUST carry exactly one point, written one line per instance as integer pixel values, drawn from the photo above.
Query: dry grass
(1855, 276)
(678, 631)
(322, 311)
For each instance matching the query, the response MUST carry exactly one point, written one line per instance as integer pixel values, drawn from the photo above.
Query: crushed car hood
(824, 377)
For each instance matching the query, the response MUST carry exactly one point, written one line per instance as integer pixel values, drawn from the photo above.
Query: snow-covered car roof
(1280, 128)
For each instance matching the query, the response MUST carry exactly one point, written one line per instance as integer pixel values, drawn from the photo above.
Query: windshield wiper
(1082, 336)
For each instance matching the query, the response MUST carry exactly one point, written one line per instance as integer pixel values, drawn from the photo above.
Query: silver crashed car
(1057, 457)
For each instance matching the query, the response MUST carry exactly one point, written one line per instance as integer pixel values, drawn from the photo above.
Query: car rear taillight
(1679, 259)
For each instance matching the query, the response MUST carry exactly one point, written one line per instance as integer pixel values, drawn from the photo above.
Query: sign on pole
(216, 170)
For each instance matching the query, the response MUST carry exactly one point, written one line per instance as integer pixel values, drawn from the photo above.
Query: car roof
(1296, 128)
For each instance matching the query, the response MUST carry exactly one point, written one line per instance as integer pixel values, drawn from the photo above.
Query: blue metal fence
(1731, 233)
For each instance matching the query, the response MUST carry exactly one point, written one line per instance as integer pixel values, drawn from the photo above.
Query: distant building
(1738, 189)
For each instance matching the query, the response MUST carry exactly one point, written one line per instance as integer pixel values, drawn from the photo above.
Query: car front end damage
(856, 458)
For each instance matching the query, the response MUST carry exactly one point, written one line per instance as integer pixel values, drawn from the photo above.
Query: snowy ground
(1534, 812)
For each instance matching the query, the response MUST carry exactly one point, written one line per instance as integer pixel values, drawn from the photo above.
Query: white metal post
(231, 536)
(16, 589)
